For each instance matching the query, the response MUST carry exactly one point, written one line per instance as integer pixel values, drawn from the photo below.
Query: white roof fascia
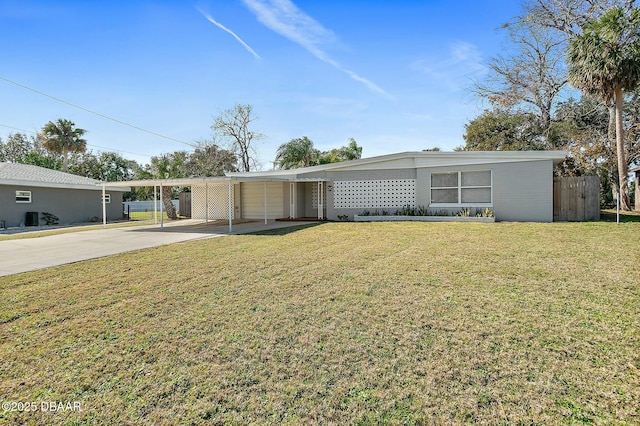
(408, 160)
(37, 184)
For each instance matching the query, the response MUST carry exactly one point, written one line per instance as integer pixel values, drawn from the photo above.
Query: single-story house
(514, 185)
(26, 192)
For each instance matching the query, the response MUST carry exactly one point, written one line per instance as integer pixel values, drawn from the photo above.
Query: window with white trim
(468, 188)
(23, 196)
(106, 199)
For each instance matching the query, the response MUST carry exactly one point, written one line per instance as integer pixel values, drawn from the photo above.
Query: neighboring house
(26, 192)
(515, 185)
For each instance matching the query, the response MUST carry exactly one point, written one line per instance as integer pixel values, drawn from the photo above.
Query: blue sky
(394, 75)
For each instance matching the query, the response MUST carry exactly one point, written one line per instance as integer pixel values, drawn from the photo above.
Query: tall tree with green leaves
(298, 152)
(351, 151)
(503, 130)
(208, 159)
(63, 137)
(604, 61)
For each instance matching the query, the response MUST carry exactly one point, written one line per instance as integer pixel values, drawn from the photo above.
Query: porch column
(292, 200)
(320, 200)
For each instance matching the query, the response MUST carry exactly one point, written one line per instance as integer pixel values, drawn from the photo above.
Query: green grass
(147, 215)
(66, 230)
(342, 323)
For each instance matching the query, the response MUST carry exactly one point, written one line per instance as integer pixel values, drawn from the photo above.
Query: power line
(97, 113)
(88, 144)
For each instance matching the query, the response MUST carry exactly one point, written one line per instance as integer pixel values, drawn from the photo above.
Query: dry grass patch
(343, 323)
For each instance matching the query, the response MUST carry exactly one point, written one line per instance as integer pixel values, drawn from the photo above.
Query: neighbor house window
(472, 188)
(23, 196)
(106, 199)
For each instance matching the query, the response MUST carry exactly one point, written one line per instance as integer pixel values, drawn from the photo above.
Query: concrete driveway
(30, 254)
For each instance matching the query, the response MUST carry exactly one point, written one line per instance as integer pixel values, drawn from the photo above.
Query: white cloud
(284, 18)
(463, 62)
(222, 27)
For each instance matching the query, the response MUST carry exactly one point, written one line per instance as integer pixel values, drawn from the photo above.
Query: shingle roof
(26, 174)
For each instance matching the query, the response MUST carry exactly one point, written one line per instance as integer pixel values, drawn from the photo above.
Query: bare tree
(568, 17)
(531, 78)
(233, 125)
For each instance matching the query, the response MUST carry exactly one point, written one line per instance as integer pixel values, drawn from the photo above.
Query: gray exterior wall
(522, 191)
(70, 205)
(333, 213)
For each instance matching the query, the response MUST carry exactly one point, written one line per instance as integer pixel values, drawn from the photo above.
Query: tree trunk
(623, 167)
(65, 160)
(612, 174)
(168, 205)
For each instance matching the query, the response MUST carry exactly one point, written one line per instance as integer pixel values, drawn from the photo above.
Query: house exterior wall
(332, 212)
(521, 191)
(70, 205)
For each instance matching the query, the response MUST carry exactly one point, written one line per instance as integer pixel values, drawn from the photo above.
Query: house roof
(402, 160)
(29, 175)
(405, 160)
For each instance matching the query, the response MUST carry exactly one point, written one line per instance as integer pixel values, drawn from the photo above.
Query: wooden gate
(185, 204)
(576, 199)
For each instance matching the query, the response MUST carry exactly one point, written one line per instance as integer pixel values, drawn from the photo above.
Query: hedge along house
(515, 185)
(26, 192)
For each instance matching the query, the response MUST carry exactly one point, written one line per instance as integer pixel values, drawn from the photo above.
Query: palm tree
(169, 166)
(298, 152)
(605, 62)
(62, 137)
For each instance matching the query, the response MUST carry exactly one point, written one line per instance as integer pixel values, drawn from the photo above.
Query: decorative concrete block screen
(349, 194)
(218, 200)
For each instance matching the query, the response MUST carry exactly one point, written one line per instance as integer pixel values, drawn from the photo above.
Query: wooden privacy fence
(576, 198)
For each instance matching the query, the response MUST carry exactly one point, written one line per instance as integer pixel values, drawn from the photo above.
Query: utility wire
(88, 144)
(97, 113)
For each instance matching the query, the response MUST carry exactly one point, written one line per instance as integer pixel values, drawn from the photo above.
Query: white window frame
(460, 188)
(23, 197)
(107, 198)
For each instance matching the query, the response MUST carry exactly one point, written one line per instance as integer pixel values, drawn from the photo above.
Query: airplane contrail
(222, 27)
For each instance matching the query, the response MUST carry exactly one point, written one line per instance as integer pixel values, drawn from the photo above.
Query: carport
(227, 197)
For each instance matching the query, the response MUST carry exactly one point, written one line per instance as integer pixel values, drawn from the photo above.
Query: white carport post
(155, 207)
(104, 206)
(206, 198)
(265, 202)
(230, 207)
(161, 215)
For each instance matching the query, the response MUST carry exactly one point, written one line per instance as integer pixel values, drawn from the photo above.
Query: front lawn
(341, 323)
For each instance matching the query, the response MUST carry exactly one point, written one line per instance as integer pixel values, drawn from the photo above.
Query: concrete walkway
(30, 254)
